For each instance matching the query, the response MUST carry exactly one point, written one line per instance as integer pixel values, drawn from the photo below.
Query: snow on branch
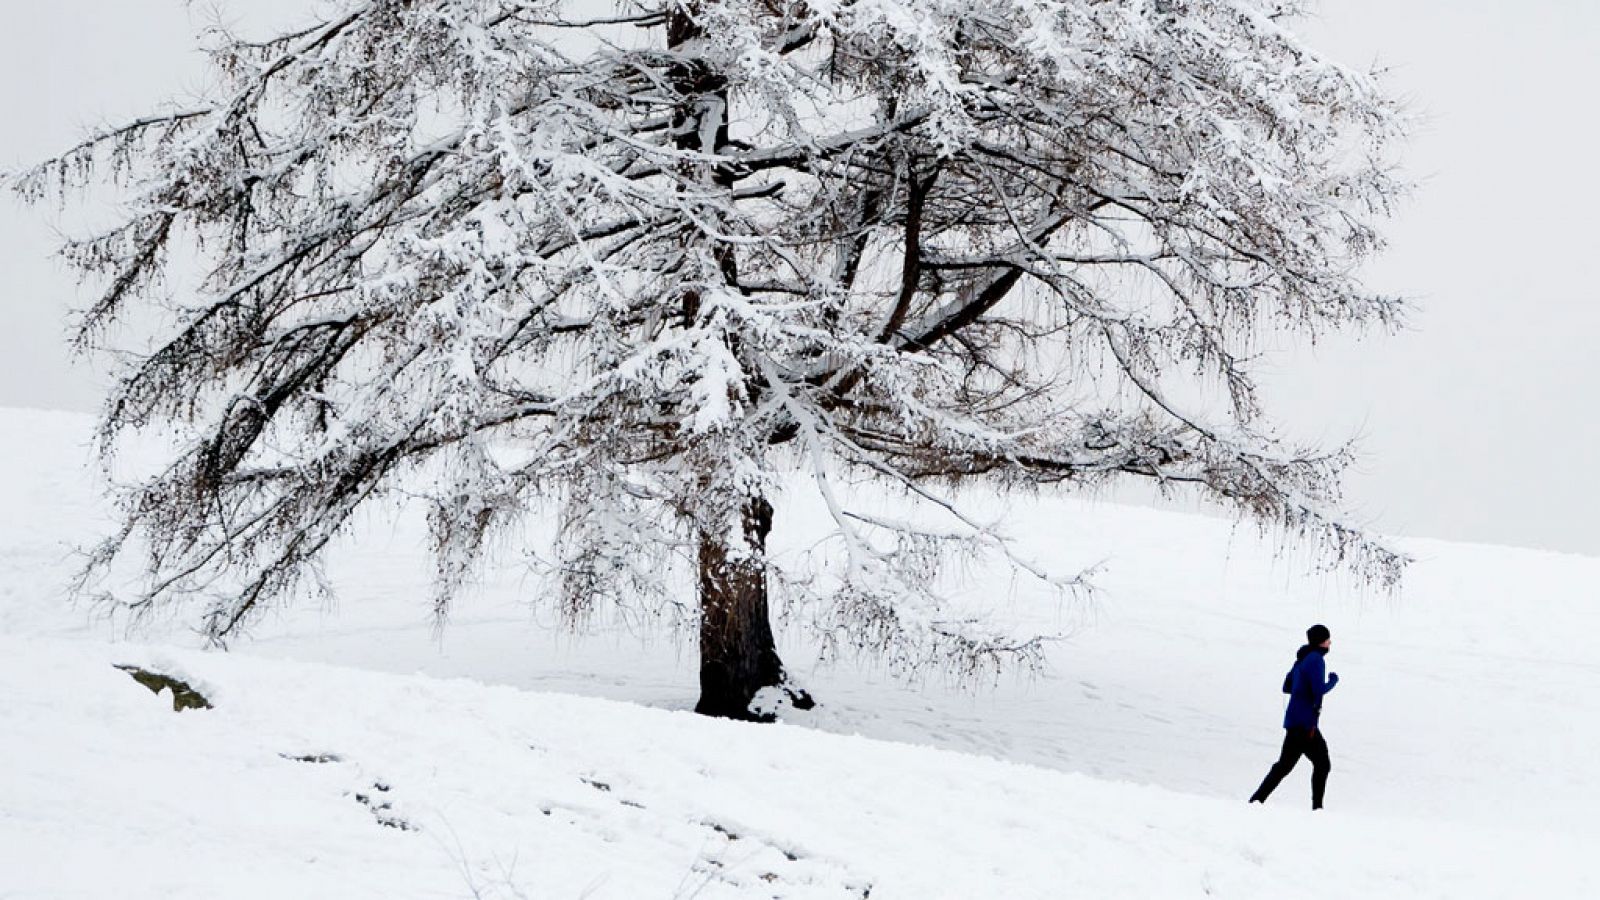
(637, 262)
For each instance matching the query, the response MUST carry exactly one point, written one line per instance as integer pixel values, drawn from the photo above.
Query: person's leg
(1317, 752)
(1293, 746)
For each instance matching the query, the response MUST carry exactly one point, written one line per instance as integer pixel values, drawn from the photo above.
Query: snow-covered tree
(636, 261)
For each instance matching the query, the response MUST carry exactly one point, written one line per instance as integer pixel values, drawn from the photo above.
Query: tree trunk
(737, 654)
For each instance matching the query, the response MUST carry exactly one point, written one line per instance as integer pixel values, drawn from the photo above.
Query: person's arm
(1319, 678)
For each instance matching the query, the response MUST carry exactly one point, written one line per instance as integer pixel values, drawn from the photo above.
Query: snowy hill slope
(1463, 734)
(285, 789)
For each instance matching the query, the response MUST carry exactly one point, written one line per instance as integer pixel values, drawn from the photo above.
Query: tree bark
(737, 654)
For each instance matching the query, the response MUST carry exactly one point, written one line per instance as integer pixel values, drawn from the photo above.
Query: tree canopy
(635, 261)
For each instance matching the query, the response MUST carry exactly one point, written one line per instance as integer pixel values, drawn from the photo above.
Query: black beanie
(1316, 634)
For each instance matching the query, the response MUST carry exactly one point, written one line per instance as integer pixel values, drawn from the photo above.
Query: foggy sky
(1478, 423)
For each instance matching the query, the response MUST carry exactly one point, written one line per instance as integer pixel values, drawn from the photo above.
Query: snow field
(476, 788)
(1463, 734)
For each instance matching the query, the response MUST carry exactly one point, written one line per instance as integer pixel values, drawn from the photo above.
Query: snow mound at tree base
(308, 780)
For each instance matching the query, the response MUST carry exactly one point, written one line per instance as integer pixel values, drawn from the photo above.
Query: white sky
(1477, 424)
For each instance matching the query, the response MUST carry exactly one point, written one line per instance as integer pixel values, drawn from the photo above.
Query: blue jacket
(1305, 684)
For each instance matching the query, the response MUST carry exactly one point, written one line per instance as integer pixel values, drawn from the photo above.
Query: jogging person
(1305, 684)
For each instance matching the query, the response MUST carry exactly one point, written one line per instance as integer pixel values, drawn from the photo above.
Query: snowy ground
(1463, 734)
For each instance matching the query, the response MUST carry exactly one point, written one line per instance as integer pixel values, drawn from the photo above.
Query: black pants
(1297, 742)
